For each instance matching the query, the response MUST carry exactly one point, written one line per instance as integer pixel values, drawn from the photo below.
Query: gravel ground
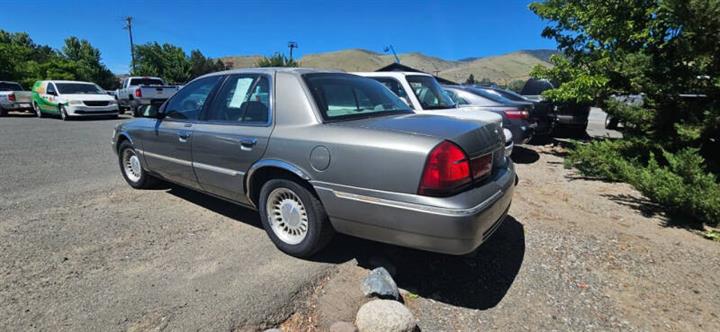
(81, 251)
(574, 254)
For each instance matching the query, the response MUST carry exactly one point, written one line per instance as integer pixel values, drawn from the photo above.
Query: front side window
(429, 93)
(7, 86)
(344, 97)
(77, 89)
(187, 103)
(243, 98)
(51, 89)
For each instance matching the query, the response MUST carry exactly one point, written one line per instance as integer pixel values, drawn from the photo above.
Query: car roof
(395, 74)
(62, 81)
(272, 70)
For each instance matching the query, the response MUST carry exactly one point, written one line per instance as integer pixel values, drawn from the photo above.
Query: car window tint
(343, 96)
(7, 86)
(145, 81)
(242, 99)
(392, 84)
(50, 88)
(189, 101)
(429, 93)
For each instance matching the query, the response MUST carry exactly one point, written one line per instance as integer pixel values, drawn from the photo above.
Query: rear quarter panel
(359, 157)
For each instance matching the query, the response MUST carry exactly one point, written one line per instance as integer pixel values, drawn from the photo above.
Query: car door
(233, 134)
(167, 148)
(49, 98)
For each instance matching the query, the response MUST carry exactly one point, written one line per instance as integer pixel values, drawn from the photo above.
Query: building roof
(395, 66)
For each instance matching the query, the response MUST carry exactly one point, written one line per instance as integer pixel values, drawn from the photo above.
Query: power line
(128, 27)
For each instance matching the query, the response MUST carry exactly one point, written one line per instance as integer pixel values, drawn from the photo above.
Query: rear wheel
(3, 112)
(611, 122)
(131, 168)
(294, 218)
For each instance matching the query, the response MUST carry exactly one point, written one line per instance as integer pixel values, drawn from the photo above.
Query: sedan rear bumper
(452, 225)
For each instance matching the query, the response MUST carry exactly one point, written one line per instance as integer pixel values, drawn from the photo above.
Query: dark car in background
(572, 116)
(543, 112)
(516, 115)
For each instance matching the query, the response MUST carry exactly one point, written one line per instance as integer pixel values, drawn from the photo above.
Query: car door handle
(183, 135)
(246, 144)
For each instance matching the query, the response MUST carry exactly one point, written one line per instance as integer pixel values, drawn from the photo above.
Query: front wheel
(3, 112)
(63, 113)
(131, 168)
(294, 218)
(37, 110)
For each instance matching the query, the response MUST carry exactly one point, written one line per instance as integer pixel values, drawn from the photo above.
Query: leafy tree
(88, 63)
(486, 81)
(201, 65)
(662, 49)
(470, 79)
(171, 63)
(516, 85)
(277, 60)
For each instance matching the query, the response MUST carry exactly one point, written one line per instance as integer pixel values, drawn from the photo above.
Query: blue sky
(447, 29)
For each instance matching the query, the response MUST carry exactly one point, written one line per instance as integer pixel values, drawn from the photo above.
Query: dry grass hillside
(501, 69)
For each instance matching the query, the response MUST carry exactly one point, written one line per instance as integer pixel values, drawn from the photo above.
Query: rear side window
(145, 81)
(8, 86)
(187, 103)
(243, 98)
(344, 97)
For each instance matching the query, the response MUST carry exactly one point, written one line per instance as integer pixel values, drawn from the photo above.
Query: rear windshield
(509, 95)
(146, 81)
(78, 88)
(535, 87)
(489, 94)
(429, 93)
(7, 86)
(346, 97)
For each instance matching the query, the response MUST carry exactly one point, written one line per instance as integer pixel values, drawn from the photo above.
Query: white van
(72, 99)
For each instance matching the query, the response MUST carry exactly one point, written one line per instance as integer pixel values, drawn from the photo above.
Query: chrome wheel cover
(131, 165)
(287, 216)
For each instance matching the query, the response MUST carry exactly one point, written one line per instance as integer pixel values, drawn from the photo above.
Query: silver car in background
(319, 152)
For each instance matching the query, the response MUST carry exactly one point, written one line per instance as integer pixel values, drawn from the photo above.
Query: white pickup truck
(137, 91)
(14, 98)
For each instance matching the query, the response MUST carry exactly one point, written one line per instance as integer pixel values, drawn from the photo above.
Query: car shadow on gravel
(477, 281)
(522, 155)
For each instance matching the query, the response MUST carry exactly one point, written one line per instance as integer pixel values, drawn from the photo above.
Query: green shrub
(677, 181)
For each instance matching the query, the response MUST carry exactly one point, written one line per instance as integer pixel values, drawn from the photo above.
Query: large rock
(379, 283)
(385, 316)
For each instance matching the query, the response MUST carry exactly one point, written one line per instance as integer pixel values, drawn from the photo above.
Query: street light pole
(292, 45)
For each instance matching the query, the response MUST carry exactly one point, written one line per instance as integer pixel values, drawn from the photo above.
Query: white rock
(385, 316)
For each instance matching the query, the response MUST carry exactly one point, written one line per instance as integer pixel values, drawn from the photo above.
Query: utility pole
(291, 45)
(391, 48)
(128, 27)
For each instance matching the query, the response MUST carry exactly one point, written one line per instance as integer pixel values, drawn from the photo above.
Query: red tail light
(517, 114)
(447, 170)
(11, 97)
(138, 93)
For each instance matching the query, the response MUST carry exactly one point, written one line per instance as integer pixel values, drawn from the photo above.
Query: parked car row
(321, 152)
(135, 92)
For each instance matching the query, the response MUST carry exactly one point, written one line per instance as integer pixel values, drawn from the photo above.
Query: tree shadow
(650, 209)
(522, 155)
(477, 281)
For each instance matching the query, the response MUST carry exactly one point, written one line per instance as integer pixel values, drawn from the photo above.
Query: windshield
(509, 95)
(429, 93)
(146, 81)
(8, 86)
(344, 97)
(78, 88)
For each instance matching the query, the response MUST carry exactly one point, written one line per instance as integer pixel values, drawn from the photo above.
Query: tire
(295, 207)
(37, 110)
(63, 113)
(611, 122)
(131, 170)
(3, 112)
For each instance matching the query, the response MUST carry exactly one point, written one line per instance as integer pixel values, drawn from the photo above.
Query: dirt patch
(574, 254)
